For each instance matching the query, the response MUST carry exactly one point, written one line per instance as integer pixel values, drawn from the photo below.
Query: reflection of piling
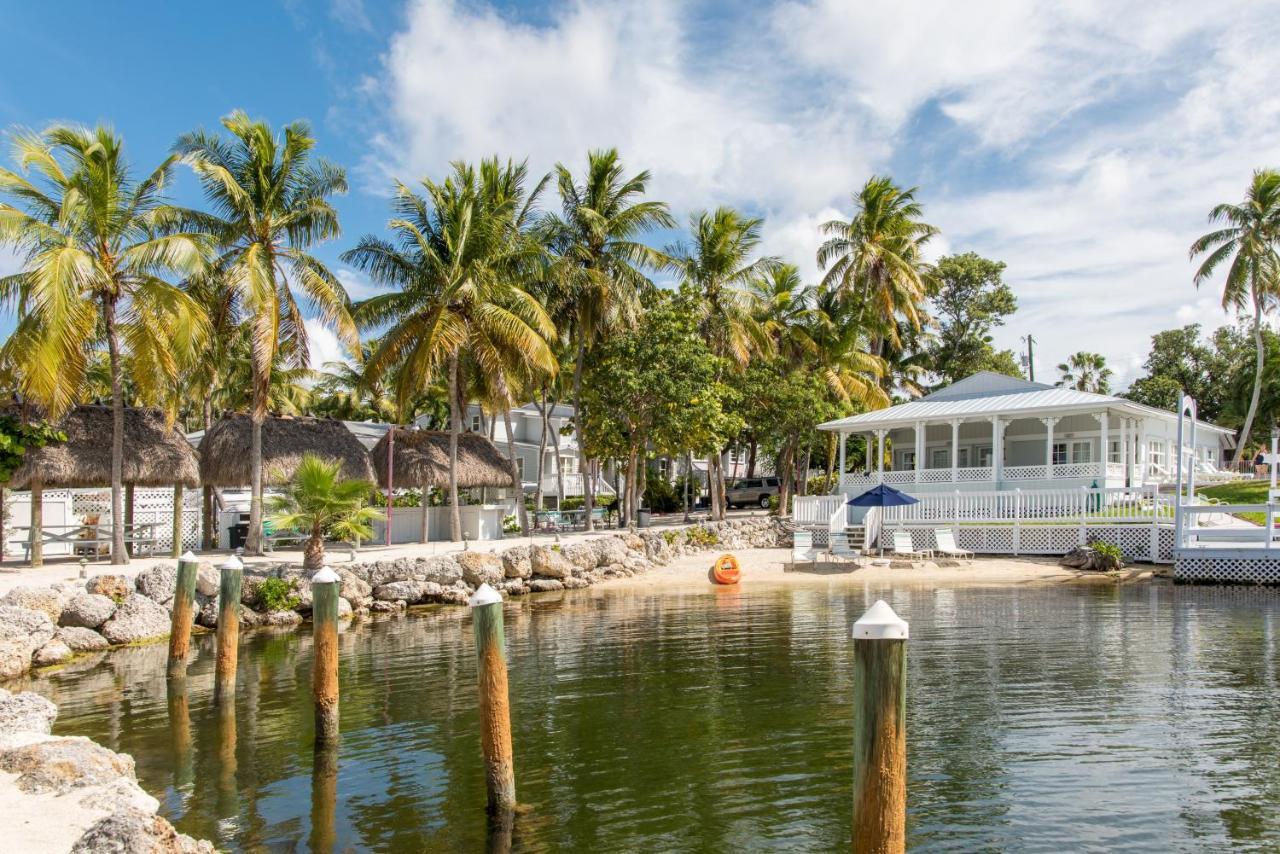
(324, 674)
(495, 706)
(184, 597)
(500, 832)
(228, 628)
(180, 729)
(879, 731)
(228, 792)
(324, 797)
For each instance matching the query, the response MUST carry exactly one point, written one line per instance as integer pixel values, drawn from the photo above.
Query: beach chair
(802, 547)
(944, 541)
(902, 546)
(838, 546)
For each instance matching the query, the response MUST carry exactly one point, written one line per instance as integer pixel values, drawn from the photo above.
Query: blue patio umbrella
(882, 496)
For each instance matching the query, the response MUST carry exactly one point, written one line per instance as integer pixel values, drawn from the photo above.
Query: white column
(1048, 446)
(871, 453)
(880, 454)
(1102, 466)
(840, 477)
(997, 443)
(919, 449)
(955, 451)
(1124, 450)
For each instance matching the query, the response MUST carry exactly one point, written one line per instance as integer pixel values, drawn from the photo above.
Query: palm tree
(875, 258)
(319, 502)
(451, 265)
(96, 245)
(1085, 372)
(1247, 243)
(719, 265)
(271, 204)
(596, 239)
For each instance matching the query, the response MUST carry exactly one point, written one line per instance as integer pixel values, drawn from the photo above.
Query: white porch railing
(1060, 505)
(816, 510)
(974, 473)
(1026, 472)
(900, 477)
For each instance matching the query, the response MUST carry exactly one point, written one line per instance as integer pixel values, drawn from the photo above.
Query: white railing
(1192, 534)
(1068, 470)
(1016, 506)
(935, 476)
(900, 477)
(974, 473)
(816, 510)
(1026, 472)
(1115, 470)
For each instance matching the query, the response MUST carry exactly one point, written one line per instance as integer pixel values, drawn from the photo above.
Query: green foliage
(702, 537)
(16, 438)
(318, 501)
(970, 300)
(277, 594)
(1085, 372)
(670, 536)
(510, 524)
(406, 498)
(1112, 557)
(660, 496)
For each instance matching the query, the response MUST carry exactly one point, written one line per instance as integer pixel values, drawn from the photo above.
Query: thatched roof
(225, 458)
(422, 460)
(155, 454)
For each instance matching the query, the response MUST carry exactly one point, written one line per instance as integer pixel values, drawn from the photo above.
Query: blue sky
(1083, 144)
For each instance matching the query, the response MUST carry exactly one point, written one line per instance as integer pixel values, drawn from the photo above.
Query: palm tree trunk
(1243, 441)
(584, 466)
(455, 427)
(633, 475)
(555, 447)
(253, 544)
(206, 498)
(517, 483)
(118, 555)
(313, 552)
(542, 452)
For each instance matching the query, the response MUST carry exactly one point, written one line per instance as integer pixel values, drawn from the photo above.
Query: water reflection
(1039, 719)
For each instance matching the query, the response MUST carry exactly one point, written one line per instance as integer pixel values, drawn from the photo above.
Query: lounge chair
(838, 545)
(945, 542)
(902, 546)
(802, 547)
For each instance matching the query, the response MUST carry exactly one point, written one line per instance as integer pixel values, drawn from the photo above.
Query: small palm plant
(317, 501)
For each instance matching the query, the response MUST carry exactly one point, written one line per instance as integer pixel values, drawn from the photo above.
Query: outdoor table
(139, 534)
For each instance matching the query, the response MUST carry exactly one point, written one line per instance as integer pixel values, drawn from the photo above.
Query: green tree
(319, 502)
(96, 245)
(1085, 372)
(1181, 359)
(971, 299)
(270, 201)
(1246, 244)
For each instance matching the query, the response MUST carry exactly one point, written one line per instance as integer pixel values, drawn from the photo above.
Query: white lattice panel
(935, 476)
(1166, 539)
(1025, 473)
(1237, 570)
(899, 477)
(974, 474)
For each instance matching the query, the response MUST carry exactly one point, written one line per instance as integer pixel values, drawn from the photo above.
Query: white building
(992, 432)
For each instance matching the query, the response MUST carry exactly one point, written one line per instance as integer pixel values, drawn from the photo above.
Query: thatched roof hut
(421, 459)
(155, 453)
(225, 459)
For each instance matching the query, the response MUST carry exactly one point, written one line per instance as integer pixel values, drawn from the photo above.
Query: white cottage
(993, 432)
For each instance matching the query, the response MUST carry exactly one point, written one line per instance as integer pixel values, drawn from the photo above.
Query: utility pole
(1029, 360)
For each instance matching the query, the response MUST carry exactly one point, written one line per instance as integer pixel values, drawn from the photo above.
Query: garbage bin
(642, 519)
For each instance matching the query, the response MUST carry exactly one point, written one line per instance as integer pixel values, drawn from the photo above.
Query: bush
(702, 537)
(1112, 557)
(660, 496)
(276, 594)
(510, 524)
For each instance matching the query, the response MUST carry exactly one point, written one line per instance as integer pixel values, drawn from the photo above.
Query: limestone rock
(122, 795)
(380, 607)
(354, 588)
(134, 832)
(441, 569)
(80, 639)
(345, 611)
(581, 555)
(514, 587)
(408, 591)
(43, 599)
(281, 618)
(117, 587)
(633, 542)
(158, 583)
(62, 764)
(480, 568)
(610, 550)
(516, 563)
(137, 619)
(208, 579)
(574, 582)
(55, 651)
(549, 564)
(87, 610)
(22, 632)
(543, 585)
(26, 712)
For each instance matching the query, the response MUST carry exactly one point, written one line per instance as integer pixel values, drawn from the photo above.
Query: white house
(993, 432)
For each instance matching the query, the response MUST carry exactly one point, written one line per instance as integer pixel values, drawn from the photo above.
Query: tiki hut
(225, 459)
(420, 458)
(156, 454)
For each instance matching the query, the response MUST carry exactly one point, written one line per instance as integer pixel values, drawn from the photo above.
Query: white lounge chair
(802, 547)
(903, 547)
(945, 541)
(838, 545)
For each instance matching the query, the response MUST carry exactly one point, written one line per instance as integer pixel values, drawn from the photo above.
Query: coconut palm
(95, 245)
(1247, 244)
(318, 502)
(270, 201)
(455, 295)
(597, 240)
(875, 258)
(1085, 372)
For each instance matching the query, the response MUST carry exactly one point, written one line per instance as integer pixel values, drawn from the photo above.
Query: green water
(1039, 719)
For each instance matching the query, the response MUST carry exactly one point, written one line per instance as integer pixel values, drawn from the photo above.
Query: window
(1082, 452)
(984, 457)
(1059, 453)
(569, 465)
(963, 457)
(1113, 454)
(941, 458)
(520, 467)
(475, 423)
(908, 460)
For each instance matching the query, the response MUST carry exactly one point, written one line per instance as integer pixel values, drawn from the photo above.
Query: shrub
(660, 496)
(702, 537)
(276, 594)
(670, 536)
(510, 524)
(1111, 556)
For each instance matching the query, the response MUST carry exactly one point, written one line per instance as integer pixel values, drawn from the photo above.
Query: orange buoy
(726, 570)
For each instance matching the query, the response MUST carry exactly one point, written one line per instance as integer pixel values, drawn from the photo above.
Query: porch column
(871, 454)
(840, 476)
(1048, 446)
(1102, 466)
(1124, 449)
(997, 447)
(880, 455)
(955, 450)
(919, 449)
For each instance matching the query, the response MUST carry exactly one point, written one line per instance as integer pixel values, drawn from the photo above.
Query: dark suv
(751, 490)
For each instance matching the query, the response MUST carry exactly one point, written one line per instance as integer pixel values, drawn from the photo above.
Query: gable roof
(985, 384)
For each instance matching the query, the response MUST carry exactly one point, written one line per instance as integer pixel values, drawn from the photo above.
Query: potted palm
(318, 502)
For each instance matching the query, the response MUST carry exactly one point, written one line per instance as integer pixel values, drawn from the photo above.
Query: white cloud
(358, 285)
(323, 345)
(1105, 131)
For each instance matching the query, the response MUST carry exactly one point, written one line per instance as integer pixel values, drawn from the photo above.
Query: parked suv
(751, 490)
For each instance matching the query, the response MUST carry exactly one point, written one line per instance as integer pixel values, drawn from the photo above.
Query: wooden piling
(232, 577)
(228, 799)
(495, 706)
(324, 798)
(184, 597)
(180, 730)
(879, 732)
(325, 586)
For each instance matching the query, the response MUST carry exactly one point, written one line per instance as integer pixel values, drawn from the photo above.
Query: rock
(480, 568)
(573, 582)
(43, 599)
(87, 610)
(26, 712)
(281, 618)
(610, 550)
(516, 564)
(380, 607)
(121, 796)
(408, 591)
(544, 585)
(54, 651)
(581, 555)
(442, 569)
(208, 579)
(633, 542)
(207, 616)
(514, 587)
(62, 764)
(80, 639)
(137, 619)
(134, 832)
(354, 588)
(117, 587)
(548, 563)
(345, 611)
(22, 632)
(158, 583)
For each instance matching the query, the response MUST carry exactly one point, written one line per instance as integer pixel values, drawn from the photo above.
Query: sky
(1081, 143)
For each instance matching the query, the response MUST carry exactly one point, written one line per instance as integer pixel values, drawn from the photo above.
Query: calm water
(1040, 719)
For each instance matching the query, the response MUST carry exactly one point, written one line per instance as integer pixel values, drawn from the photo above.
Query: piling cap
(880, 623)
(189, 556)
(325, 576)
(485, 595)
(232, 562)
